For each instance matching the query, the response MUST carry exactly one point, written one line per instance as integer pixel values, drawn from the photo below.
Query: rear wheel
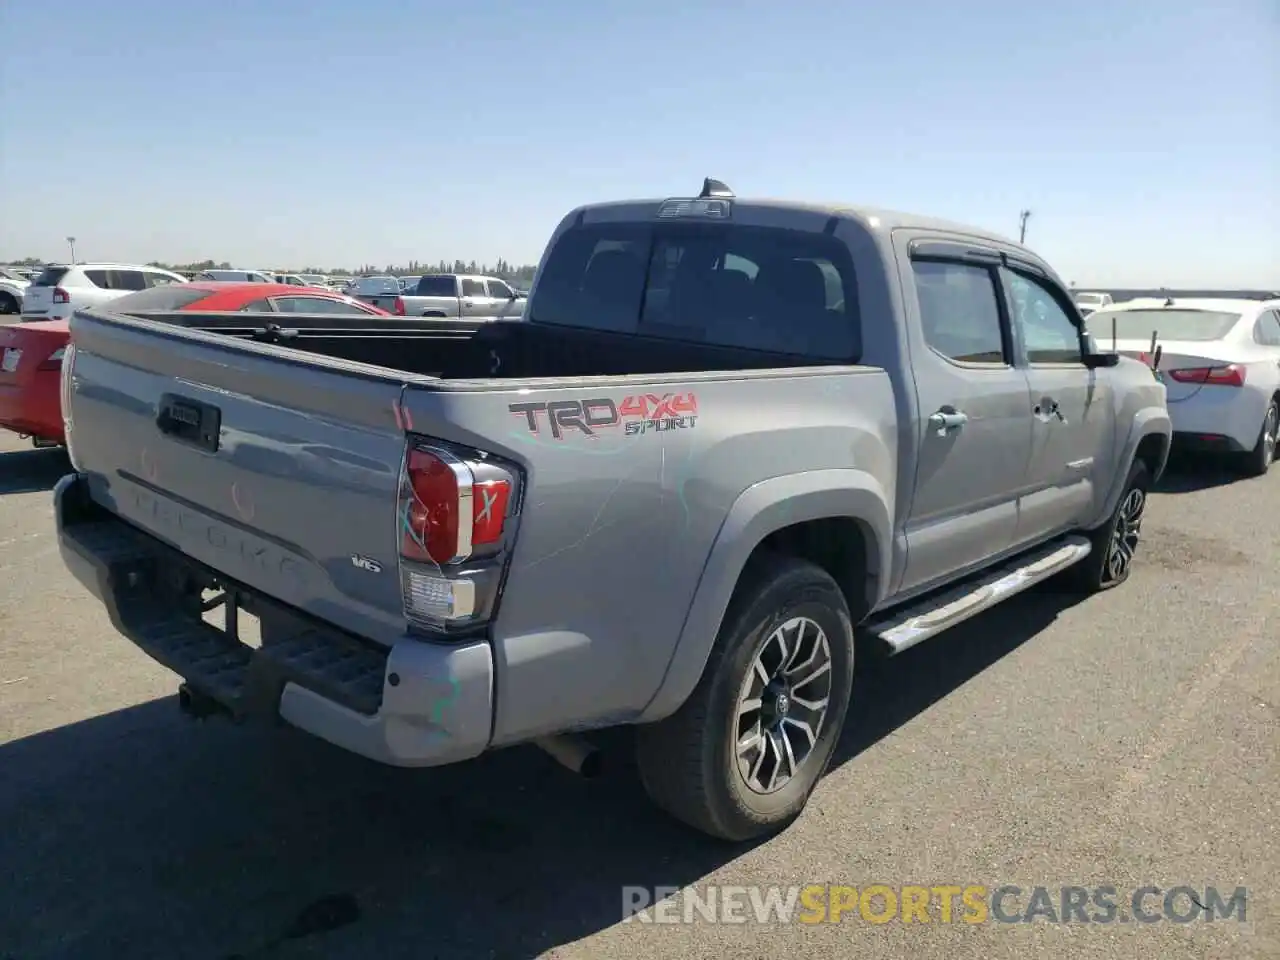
(9, 304)
(742, 755)
(1258, 460)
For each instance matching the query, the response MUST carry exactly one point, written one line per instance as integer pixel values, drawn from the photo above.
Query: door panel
(1073, 422)
(974, 427)
(476, 301)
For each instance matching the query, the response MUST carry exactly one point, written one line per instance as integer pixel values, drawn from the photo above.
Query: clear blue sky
(1143, 134)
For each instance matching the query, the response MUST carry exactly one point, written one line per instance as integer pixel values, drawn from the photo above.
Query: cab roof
(873, 219)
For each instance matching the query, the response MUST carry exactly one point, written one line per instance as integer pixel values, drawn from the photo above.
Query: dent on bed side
(761, 510)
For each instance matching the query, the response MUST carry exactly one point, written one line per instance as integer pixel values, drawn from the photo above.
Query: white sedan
(1220, 363)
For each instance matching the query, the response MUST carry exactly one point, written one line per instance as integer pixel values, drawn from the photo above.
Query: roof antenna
(714, 188)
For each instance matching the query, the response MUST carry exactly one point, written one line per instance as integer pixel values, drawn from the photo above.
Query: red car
(31, 353)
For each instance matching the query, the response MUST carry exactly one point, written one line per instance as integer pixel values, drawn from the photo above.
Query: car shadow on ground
(1189, 473)
(141, 832)
(31, 471)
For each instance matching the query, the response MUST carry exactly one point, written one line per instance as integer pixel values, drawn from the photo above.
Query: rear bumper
(33, 407)
(415, 704)
(1219, 418)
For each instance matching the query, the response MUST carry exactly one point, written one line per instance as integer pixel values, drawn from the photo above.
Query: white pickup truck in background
(1088, 301)
(451, 295)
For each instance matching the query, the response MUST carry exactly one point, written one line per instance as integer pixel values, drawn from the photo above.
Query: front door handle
(945, 421)
(1048, 408)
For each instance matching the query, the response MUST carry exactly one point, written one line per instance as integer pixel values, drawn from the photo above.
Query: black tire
(1258, 461)
(9, 304)
(1097, 571)
(689, 761)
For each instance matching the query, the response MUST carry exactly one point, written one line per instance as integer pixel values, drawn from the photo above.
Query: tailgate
(36, 301)
(277, 469)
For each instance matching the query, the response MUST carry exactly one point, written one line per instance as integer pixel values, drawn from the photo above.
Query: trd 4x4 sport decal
(638, 414)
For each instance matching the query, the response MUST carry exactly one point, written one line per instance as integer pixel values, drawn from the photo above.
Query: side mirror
(1095, 361)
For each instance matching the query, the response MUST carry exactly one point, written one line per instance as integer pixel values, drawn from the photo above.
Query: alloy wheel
(1124, 539)
(783, 704)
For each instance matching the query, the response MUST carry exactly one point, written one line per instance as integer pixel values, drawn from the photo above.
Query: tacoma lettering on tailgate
(169, 517)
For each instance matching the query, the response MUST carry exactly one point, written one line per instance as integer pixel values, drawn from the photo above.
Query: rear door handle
(945, 421)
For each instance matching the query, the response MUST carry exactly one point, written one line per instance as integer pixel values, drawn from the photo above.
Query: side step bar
(919, 620)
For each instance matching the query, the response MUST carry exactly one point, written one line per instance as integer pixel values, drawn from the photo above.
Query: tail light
(64, 395)
(55, 360)
(398, 309)
(1231, 375)
(61, 296)
(454, 526)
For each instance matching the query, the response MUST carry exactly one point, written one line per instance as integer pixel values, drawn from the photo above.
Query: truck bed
(481, 350)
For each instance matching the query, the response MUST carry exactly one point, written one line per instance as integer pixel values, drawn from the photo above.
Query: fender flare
(760, 510)
(1151, 421)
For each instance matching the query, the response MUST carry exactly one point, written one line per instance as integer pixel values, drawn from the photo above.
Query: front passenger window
(1049, 334)
(959, 311)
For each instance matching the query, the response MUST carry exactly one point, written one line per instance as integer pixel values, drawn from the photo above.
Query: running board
(904, 628)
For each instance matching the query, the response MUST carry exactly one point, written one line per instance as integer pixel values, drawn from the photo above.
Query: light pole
(72, 242)
(1022, 229)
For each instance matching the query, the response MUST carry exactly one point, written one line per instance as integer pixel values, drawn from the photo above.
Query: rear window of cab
(759, 288)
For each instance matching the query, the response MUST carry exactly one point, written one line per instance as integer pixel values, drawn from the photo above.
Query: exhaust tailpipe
(198, 705)
(573, 752)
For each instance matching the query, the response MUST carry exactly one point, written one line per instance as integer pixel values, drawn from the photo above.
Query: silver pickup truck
(452, 296)
(728, 435)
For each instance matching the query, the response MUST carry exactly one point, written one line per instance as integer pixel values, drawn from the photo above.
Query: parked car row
(59, 289)
(725, 437)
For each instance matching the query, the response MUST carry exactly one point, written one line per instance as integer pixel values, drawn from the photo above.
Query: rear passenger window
(1267, 331)
(759, 288)
(436, 287)
(50, 277)
(127, 280)
(158, 279)
(959, 311)
(316, 305)
(99, 279)
(257, 306)
(472, 288)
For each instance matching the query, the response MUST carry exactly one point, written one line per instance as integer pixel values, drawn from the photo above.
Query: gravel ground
(1127, 740)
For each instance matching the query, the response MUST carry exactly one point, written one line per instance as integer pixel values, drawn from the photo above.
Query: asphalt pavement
(1126, 740)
